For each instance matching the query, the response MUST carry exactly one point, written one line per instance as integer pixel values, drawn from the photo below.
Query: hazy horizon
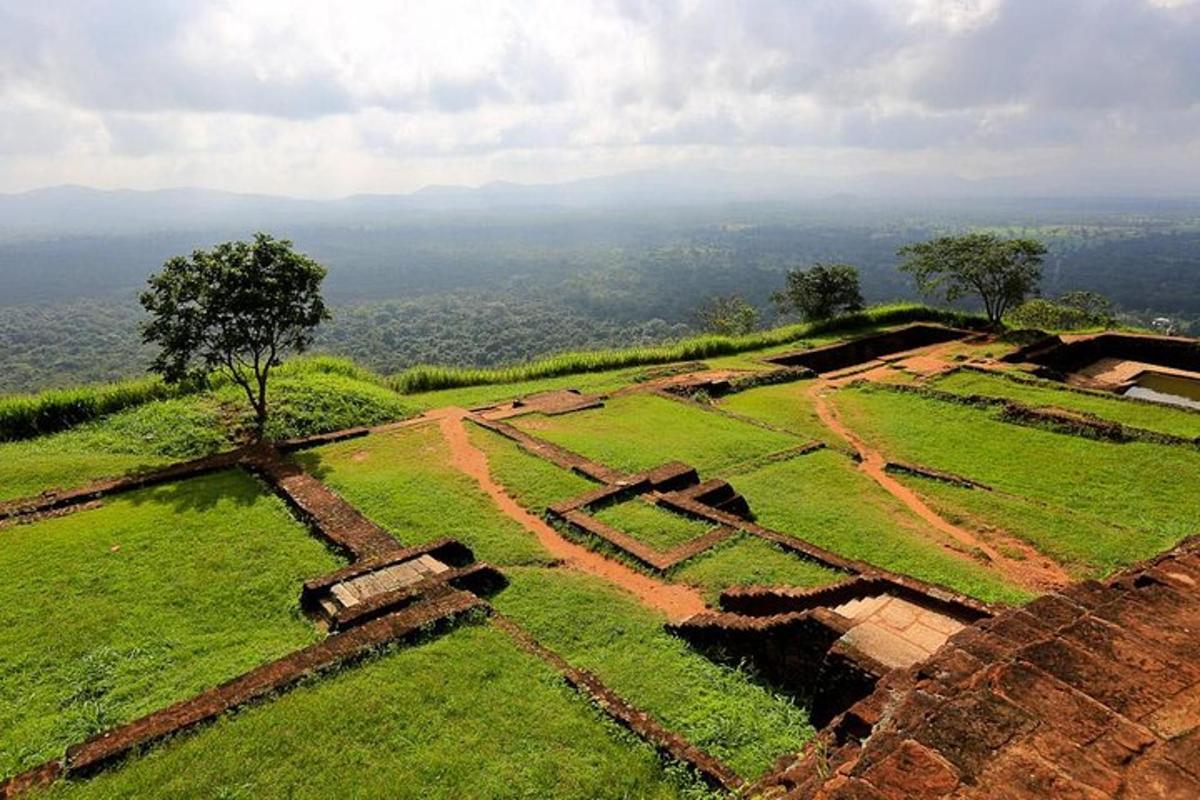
(311, 100)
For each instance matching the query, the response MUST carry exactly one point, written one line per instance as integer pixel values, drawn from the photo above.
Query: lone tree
(820, 292)
(239, 308)
(1002, 272)
(729, 315)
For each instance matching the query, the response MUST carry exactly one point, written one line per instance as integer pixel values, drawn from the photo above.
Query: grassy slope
(111, 613)
(637, 432)
(808, 497)
(1150, 416)
(163, 431)
(1126, 498)
(601, 629)
(657, 527)
(403, 481)
(466, 715)
(786, 406)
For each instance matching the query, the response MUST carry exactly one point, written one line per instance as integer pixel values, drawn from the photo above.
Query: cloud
(313, 96)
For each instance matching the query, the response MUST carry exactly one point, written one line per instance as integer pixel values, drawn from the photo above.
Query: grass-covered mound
(465, 715)
(111, 613)
(305, 401)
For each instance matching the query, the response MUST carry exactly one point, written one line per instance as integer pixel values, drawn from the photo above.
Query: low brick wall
(867, 348)
(625, 713)
(325, 512)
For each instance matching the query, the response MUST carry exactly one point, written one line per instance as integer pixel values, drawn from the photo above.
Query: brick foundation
(1093, 692)
(326, 513)
(842, 355)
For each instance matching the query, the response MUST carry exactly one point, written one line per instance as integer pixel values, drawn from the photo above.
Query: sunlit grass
(111, 613)
(599, 628)
(403, 480)
(465, 715)
(823, 499)
(638, 432)
(1145, 490)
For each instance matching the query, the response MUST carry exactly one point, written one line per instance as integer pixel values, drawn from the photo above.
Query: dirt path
(677, 602)
(1030, 568)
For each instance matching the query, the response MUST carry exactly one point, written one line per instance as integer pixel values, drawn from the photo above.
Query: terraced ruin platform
(783, 567)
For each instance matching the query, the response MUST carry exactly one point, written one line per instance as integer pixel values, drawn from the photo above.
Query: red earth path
(1029, 568)
(676, 601)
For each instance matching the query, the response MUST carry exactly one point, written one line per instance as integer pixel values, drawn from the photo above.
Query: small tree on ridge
(237, 308)
(821, 291)
(1002, 272)
(727, 315)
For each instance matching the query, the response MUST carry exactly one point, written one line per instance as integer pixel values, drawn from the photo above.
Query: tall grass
(23, 416)
(424, 378)
(26, 415)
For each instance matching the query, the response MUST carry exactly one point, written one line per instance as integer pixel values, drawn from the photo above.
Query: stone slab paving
(894, 631)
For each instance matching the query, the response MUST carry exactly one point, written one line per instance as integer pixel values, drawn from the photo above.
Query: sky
(323, 99)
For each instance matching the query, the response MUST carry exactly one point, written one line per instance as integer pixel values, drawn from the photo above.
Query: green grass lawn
(657, 527)
(464, 715)
(1088, 546)
(637, 432)
(784, 405)
(746, 560)
(403, 481)
(1151, 416)
(111, 613)
(1146, 490)
(599, 628)
(534, 482)
(823, 499)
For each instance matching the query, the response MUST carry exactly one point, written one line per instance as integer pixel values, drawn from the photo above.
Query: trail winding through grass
(1029, 568)
(677, 602)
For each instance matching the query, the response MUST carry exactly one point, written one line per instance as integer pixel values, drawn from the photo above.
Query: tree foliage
(820, 292)
(239, 308)
(1071, 311)
(728, 315)
(1002, 272)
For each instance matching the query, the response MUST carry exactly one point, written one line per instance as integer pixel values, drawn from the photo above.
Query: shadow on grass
(202, 492)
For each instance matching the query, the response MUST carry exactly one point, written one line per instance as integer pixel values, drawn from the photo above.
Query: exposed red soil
(677, 602)
(1032, 569)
